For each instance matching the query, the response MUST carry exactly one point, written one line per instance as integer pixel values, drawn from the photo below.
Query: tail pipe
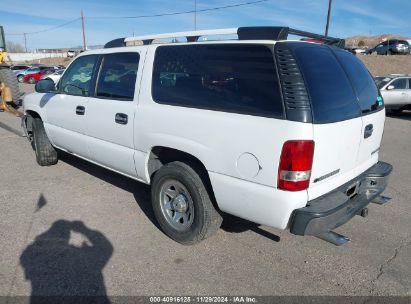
(381, 200)
(333, 238)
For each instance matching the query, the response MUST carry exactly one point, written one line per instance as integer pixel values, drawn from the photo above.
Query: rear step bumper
(334, 209)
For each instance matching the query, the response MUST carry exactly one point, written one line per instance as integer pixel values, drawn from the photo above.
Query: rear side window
(332, 96)
(117, 77)
(235, 78)
(363, 83)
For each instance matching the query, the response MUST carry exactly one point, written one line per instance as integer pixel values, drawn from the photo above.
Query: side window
(362, 81)
(33, 70)
(409, 83)
(399, 84)
(117, 77)
(77, 79)
(231, 78)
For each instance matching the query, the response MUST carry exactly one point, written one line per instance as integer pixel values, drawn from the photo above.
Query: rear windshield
(238, 78)
(339, 85)
(362, 81)
(332, 96)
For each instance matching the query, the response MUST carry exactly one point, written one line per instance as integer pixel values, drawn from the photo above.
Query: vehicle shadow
(62, 272)
(142, 195)
(406, 115)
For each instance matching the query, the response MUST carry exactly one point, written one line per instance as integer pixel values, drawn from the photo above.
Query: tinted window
(117, 77)
(232, 78)
(363, 83)
(33, 70)
(409, 83)
(77, 79)
(399, 84)
(332, 96)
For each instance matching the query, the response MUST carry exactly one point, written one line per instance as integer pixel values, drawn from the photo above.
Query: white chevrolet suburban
(279, 132)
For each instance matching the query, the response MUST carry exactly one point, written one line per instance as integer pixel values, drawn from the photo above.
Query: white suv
(282, 133)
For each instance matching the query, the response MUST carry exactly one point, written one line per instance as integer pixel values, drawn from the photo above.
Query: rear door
(337, 123)
(371, 104)
(111, 112)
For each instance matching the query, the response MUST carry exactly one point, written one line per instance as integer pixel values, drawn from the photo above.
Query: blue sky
(349, 17)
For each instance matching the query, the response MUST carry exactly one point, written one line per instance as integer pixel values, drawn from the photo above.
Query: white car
(396, 91)
(55, 76)
(282, 133)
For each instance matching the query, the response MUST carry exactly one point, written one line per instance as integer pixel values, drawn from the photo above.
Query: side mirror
(390, 87)
(45, 86)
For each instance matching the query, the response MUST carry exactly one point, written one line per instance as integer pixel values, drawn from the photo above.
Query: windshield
(382, 81)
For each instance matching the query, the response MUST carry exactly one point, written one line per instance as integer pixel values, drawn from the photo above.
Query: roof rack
(243, 33)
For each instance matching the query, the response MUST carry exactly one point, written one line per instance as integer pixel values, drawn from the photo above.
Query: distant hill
(370, 41)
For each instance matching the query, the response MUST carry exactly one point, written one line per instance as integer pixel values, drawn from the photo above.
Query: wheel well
(33, 114)
(29, 120)
(160, 156)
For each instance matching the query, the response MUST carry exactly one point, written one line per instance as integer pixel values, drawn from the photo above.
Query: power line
(47, 29)
(179, 13)
(140, 16)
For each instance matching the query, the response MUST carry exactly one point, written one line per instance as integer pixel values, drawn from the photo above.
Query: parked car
(17, 69)
(34, 77)
(282, 133)
(396, 91)
(54, 76)
(390, 47)
(32, 70)
(71, 54)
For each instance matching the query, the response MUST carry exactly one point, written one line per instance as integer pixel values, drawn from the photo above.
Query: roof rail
(243, 33)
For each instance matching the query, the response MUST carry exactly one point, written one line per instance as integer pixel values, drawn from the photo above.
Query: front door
(66, 111)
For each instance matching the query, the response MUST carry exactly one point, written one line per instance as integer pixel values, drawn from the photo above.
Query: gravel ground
(382, 65)
(80, 229)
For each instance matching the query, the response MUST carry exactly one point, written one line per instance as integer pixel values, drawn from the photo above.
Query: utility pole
(25, 41)
(84, 33)
(195, 15)
(328, 17)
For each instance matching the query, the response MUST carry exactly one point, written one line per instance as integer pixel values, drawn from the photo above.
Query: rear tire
(46, 155)
(8, 77)
(20, 78)
(182, 205)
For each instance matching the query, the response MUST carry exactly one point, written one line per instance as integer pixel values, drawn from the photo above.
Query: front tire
(182, 205)
(32, 80)
(8, 77)
(46, 155)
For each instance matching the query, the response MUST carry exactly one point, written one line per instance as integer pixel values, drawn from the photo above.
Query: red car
(33, 78)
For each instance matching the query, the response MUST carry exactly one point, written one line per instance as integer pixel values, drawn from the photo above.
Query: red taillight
(295, 166)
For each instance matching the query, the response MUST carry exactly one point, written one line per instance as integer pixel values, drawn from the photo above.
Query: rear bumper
(334, 209)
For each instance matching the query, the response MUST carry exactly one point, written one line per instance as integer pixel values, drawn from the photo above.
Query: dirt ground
(381, 65)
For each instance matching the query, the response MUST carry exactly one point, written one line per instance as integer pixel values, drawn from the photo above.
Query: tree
(361, 43)
(14, 47)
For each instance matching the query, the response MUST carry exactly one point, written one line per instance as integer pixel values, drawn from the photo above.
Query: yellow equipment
(9, 88)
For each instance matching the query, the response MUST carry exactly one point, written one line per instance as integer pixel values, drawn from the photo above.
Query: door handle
(368, 130)
(80, 110)
(121, 118)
